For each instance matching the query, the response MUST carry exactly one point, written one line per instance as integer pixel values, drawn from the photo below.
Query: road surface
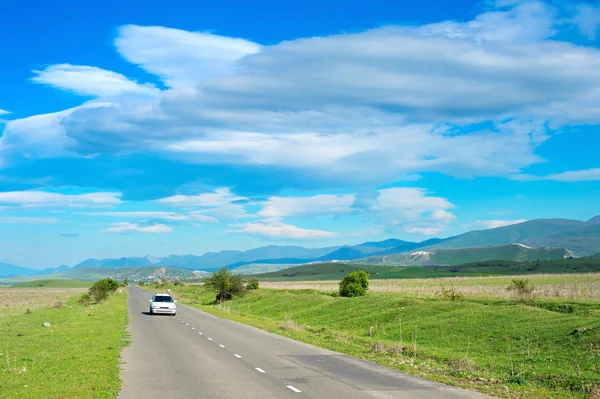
(197, 355)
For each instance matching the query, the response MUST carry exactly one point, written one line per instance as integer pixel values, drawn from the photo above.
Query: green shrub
(86, 299)
(102, 289)
(178, 282)
(523, 289)
(225, 284)
(354, 284)
(252, 284)
(450, 293)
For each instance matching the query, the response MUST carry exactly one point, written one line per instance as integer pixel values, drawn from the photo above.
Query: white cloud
(426, 231)
(39, 136)
(319, 205)
(91, 81)
(27, 220)
(182, 59)
(282, 230)
(220, 197)
(568, 176)
(46, 199)
(492, 224)
(126, 227)
(4, 112)
(587, 19)
(357, 109)
(405, 208)
(171, 216)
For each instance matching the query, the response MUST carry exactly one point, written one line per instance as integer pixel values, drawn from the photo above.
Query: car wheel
(174, 314)
(151, 312)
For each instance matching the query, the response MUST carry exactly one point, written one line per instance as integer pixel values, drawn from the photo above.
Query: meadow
(76, 357)
(487, 339)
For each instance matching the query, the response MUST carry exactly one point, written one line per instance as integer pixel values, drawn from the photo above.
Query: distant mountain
(210, 260)
(8, 270)
(516, 233)
(450, 257)
(583, 241)
(340, 254)
(594, 220)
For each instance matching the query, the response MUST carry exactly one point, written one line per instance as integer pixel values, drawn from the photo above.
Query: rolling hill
(335, 271)
(449, 257)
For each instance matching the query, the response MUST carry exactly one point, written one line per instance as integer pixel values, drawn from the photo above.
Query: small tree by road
(354, 284)
(226, 284)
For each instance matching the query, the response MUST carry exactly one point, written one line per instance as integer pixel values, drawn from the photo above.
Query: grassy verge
(54, 283)
(77, 357)
(493, 345)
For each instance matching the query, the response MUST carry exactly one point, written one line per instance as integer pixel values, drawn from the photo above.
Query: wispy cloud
(281, 231)
(127, 227)
(48, 199)
(4, 112)
(568, 176)
(28, 220)
(92, 81)
(171, 216)
(69, 235)
(492, 224)
(587, 18)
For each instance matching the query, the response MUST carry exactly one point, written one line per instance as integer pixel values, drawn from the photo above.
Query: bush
(450, 293)
(225, 284)
(102, 289)
(354, 284)
(252, 284)
(178, 282)
(523, 289)
(85, 299)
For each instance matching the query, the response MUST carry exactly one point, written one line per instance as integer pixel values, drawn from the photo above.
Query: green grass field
(497, 346)
(77, 357)
(335, 271)
(54, 283)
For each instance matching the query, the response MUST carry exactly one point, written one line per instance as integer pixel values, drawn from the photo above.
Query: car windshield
(163, 298)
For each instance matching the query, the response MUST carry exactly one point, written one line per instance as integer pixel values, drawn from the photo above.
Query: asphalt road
(197, 355)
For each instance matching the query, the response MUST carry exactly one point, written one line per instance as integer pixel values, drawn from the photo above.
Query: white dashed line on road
(199, 333)
(193, 328)
(260, 370)
(210, 339)
(222, 346)
(236, 355)
(293, 388)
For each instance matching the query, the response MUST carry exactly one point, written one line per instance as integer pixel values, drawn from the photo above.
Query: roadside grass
(550, 349)
(561, 286)
(54, 283)
(18, 300)
(77, 357)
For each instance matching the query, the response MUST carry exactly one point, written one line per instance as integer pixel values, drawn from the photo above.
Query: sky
(133, 129)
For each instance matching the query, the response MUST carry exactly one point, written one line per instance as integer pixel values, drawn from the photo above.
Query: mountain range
(571, 237)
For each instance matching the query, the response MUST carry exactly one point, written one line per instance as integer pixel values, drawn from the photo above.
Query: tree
(252, 284)
(354, 284)
(226, 284)
(103, 288)
(125, 281)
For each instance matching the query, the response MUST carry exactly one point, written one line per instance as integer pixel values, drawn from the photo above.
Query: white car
(163, 304)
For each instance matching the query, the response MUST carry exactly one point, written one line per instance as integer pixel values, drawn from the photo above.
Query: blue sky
(135, 129)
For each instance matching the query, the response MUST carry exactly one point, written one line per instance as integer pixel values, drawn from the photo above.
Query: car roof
(162, 294)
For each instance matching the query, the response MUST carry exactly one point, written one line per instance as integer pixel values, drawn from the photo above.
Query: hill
(54, 283)
(335, 271)
(8, 270)
(516, 233)
(210, 260)
(435, 257)
(582, 241)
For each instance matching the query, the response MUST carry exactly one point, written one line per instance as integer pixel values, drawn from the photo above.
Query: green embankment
(77, 357)
(335, 271)
(54, 283)
(548, 350)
